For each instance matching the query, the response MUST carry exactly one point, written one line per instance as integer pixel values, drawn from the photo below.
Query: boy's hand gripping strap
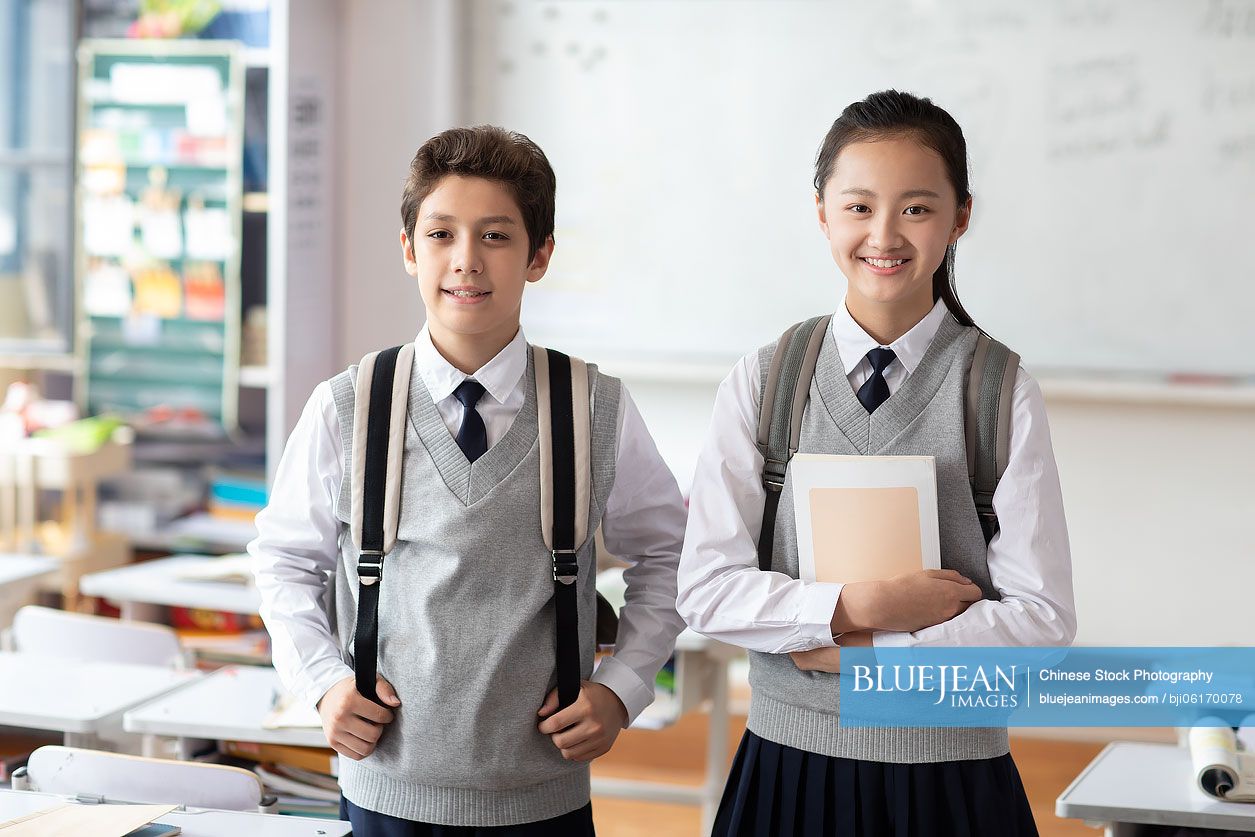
(380, 401)
(987, 424)
(780, 416)
(565, 485)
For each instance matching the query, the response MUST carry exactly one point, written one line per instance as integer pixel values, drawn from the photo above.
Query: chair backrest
(57, 633)
(121, 778)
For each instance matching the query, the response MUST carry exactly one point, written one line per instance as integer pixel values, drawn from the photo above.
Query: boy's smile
(470, 255)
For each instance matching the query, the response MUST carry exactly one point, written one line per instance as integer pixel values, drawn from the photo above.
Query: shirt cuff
(620, 678)
(815, 620)
(891, 639)
(321, 683)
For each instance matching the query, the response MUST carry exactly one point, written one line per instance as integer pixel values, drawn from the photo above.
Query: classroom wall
(399, 85)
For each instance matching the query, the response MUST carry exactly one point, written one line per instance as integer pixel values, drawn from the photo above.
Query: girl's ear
(822, 213)
(407, 255)
(962, 222)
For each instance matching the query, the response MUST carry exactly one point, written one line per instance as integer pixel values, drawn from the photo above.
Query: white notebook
(864, 518)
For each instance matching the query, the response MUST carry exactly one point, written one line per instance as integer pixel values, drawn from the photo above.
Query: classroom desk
(138, 588)
(195, 822)
(230, 703)
(19, 578)
(1130, 786)
(80, 699)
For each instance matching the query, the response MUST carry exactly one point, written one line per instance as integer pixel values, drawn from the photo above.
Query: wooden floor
(676, 755)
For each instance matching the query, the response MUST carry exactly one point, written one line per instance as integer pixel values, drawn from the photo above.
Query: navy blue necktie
(472, 435)
(875, 390)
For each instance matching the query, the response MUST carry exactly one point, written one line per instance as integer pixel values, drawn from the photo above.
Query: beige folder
(864, 518)
(70, 820)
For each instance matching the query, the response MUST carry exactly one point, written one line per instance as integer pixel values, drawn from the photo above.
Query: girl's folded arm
(721, 591)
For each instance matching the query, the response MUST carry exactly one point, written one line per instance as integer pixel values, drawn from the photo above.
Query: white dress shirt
(724, 595)
(299, 535)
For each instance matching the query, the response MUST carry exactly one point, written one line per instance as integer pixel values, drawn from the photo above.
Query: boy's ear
(823, 216)
(540, 261)
(407, 254)
(962, 222)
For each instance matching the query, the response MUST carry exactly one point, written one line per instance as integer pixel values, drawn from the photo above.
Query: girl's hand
(818, 659)
(829, 659)
(921, 599)
(906, 602)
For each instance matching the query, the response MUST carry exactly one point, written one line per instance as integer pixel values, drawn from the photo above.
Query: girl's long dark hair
(892, 113)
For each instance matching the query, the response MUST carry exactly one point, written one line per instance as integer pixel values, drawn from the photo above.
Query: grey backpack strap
(780, 416)
(380, 402)
(987, 424)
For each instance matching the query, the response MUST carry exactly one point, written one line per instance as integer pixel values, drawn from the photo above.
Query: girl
(891, 191)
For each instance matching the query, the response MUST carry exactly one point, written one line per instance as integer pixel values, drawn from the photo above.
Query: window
(36, 206)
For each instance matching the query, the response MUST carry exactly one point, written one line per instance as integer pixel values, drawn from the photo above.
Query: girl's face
(889, 212)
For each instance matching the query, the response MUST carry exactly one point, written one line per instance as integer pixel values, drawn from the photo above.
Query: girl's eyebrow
(912, 193)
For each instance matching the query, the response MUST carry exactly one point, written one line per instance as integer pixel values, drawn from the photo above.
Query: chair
(120, 778)
(76, 636)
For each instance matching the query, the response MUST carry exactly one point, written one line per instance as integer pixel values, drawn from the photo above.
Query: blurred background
(199, 216)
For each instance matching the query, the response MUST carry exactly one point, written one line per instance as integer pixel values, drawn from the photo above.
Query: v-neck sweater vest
(924, 417)
(466, 620)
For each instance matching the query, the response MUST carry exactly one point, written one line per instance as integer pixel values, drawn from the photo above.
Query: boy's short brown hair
(492, 153)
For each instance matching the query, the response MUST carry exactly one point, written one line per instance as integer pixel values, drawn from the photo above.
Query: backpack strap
(381, 399)
(987, 424)
(565, 490)
(780, 416)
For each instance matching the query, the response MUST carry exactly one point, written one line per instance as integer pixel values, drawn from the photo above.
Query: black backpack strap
(381, 395)
(562, 407)
(780, 416)
(987, 424)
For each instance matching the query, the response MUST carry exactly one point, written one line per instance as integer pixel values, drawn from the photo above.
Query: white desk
(231, 703)
(138, 587)
(77, 698)
(195, 822)
(1131, 785)
(19, 578)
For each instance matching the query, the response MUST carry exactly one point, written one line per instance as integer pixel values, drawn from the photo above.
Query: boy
(469, 741)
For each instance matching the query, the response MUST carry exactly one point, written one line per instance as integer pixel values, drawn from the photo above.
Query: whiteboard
(1112, 147)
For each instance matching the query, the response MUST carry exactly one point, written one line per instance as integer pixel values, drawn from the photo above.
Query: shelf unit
(158, 197)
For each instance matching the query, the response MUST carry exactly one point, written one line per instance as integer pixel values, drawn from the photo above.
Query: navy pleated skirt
(779, 791)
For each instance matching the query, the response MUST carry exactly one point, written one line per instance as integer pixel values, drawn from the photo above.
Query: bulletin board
(1112, 149)
(157, 207)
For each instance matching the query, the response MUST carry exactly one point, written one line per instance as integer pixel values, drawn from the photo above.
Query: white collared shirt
(724, 595)
(298, 533)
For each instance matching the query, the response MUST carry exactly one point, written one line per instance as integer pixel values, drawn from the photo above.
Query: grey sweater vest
(923, 418)
(466, 621)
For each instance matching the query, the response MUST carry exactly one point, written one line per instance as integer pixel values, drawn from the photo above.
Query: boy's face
(469, 254)
(890, 200)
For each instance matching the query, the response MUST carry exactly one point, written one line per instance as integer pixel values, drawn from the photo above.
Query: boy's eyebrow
(912, 193)
(488, 219)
